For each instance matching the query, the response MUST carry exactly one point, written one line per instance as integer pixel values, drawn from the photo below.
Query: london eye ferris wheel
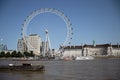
(48, 10)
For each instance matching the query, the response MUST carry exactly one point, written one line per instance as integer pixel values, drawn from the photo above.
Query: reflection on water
(21, 75)
(66, 70)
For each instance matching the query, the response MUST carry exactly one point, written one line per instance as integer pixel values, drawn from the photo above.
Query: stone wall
(91, 51)
(72, 52)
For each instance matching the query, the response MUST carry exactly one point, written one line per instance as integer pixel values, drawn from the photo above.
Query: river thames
(98, 69)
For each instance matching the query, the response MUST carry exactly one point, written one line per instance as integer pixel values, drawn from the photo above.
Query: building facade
(21, 45)
(91, 50)
(3, 47)
(33, 43)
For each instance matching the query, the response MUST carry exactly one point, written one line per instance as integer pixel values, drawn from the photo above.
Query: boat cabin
(26, 64)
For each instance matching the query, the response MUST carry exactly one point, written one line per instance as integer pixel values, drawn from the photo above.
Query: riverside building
(33, 42)
(3, 47)
(21, 45)
(91, 50)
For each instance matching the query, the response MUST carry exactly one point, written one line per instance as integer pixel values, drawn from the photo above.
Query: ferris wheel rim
(50, 10)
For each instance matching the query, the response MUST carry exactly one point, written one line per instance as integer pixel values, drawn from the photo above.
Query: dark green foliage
(7, 55)
(26, 54)
(16, 54)
(19, 54)
(31, 54)
(2, 54)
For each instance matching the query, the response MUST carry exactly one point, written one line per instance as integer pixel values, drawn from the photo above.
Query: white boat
(84, 58)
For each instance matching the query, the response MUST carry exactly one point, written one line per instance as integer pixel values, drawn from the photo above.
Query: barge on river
(23, 67)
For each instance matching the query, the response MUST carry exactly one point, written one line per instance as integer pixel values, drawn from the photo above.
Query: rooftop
(92, 46)
(33, 35)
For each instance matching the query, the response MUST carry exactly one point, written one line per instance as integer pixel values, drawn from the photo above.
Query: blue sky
(97, 20)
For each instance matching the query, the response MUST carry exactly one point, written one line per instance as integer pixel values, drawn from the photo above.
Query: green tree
(26, 54)
(2, 54)
(19, 54)
(31, 54)
(14, 54)
(7, 55)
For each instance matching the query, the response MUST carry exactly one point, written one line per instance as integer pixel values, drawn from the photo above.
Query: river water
(101, 69)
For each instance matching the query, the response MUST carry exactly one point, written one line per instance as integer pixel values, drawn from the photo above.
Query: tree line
(16, 54)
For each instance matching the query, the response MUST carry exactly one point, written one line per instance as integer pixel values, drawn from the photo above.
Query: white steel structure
(45, 10)
(47, 46)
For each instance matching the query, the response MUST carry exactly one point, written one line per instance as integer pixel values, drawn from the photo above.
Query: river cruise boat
(23, 67)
